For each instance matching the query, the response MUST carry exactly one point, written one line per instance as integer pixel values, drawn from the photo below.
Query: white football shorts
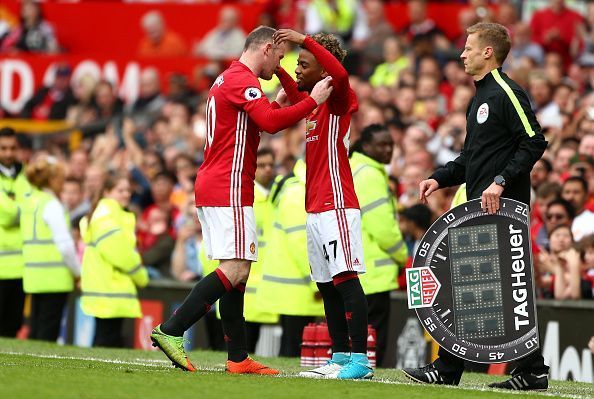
(334, 243)
(229, 232)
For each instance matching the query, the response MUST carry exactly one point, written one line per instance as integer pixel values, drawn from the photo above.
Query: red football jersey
(329, 182)
(236, 112)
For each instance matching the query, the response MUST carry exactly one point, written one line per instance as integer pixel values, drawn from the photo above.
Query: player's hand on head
(322, 90)
(282, 99)
(490, 198)
(426, 187)
(289, 35)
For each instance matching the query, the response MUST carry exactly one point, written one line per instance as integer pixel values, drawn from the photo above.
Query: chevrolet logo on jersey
(309, 127)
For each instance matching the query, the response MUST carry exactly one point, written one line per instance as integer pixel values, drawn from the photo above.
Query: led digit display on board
(471, 283)
(476, 281)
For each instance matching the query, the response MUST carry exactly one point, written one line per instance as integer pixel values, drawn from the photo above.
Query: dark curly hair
(330, 43)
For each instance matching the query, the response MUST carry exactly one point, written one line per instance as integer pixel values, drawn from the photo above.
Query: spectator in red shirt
(52, 102)
(554, 28)
(283, 14)
(156, 231)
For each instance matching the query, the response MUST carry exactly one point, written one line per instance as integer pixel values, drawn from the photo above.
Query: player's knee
(236, 270)
(243, 273)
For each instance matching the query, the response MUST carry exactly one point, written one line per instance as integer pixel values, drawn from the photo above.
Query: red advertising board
(101, 38)
(152, 314)
(20, 76)
(111, 28)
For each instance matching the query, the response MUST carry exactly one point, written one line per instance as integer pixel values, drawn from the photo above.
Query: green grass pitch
(36, 370)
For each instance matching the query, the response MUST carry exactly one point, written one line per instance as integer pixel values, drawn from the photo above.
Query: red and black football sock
(335, 317)
(355, 306)
(231, 307)
(206, 292)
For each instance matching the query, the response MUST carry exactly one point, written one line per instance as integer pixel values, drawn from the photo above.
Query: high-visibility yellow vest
(286, 287)
(387, 74)
(339, 19)
(460, 196)
(45, 270)
(384, 248)
(111, 267)
(12, 192)
(262, 213)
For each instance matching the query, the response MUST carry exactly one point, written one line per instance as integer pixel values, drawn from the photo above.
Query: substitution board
(471, 283)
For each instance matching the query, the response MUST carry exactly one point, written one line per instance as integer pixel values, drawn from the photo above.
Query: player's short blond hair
(262, 34)
(493, 35)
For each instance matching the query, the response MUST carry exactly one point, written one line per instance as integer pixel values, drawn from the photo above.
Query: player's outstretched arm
(290, 86)
(329, 63)
(273, 119)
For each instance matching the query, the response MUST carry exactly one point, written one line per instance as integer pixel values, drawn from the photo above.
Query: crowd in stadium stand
(411, 81)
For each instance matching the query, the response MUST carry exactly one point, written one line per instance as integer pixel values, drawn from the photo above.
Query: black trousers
(252, 334)
(12, 300)
(378, 306)
(452, 365)
(46, 314)
(293, 333)
(108, 332)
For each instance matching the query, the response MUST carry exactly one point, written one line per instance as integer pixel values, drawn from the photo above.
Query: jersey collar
(487, 79)
(243, 66)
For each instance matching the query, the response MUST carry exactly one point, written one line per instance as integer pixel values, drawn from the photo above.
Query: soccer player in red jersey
(236, 113)
(333, 216)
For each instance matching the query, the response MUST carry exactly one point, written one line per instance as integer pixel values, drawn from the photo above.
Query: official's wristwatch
(499, 180)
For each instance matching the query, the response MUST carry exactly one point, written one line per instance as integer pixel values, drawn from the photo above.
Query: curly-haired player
(333, 215)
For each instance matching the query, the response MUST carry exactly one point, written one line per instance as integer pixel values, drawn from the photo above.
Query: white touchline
(136, 362)
(165, 363)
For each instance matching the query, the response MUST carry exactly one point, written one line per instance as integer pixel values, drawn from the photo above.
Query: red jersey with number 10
(329, 182)
(236, 112)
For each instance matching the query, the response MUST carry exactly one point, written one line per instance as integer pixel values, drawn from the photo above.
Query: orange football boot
(249, 366)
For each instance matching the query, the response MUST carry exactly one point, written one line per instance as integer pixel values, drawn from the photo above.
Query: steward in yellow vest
(388, 72)
(13, 189)
(336, 16)
(112, 268)
(459, 196)
(383, 245)
(49, 254)
(286, 287)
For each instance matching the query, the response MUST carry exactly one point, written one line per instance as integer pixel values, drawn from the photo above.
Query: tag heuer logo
(422, 287)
